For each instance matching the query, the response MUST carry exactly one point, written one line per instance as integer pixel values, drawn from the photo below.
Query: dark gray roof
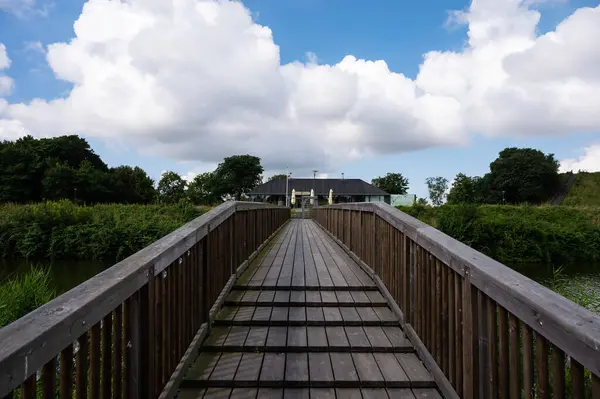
(321, 186)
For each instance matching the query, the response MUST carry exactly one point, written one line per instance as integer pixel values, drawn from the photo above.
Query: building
(344, 190)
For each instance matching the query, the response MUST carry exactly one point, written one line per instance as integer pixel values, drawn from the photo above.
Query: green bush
(24, 294)
(519, 234)
(63, 230)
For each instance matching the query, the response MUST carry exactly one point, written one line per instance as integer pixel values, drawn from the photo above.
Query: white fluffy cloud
(200, 80)
(589, 161)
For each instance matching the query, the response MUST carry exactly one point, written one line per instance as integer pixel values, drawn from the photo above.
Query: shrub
(62, 230)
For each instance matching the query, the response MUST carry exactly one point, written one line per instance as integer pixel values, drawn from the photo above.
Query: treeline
(517, 176)
(50, 169)
(514, 235)
(35, 170)
(109, 232)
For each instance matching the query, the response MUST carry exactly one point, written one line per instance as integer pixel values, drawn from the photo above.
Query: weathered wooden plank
(273, 368)
(377, 337)
(317, 338)
(367, 314)
(270, 393)
(257, 336)
(350, 315)
(396, 336)
(348, 393)
(314, 315)
(237, 336)
(279, 314)
(244, 393)
(297, 314)
(374, 393)
(277, 337)
(321, 372)
(344, 297)
(414, 369)
(296, 369)
(393, 374)
(385, 314)
(357, 338)
(296, 336)
(325, 393)
(343, 368)
(202, 368)
(400, 393)
(217, 393)
(296, 393)
(248, 371)
(226, 367)
(336, 336)
(367, 369)
(332, 314)
(262, 314)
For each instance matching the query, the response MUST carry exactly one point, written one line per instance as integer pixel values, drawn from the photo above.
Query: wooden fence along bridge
(362, 301)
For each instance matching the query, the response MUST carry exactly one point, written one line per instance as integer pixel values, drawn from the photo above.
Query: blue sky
(400, 33)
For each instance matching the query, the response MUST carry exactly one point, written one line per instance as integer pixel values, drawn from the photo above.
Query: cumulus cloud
(589, 161)
(199, 80)
(6, 83)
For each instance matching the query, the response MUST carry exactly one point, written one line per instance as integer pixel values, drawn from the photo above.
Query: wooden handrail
(174, 280)
(440, 283)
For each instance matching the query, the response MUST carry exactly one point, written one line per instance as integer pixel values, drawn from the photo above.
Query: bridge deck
(304, 320)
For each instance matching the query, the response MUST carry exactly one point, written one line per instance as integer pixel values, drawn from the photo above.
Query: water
(64, 274)
(578, 282)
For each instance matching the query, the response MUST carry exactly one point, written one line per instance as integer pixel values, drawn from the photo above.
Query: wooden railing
(125, 332)
(486, 330)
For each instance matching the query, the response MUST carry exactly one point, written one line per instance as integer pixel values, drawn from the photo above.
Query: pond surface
(578, 282)
(65, 274)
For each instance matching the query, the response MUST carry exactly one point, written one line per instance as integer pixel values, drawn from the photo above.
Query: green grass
(22, 295)
(585, 190)
(63, 230)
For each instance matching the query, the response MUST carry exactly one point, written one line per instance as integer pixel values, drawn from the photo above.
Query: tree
(421, 201)
(462, 190)
(92, 185)
(392, 183)
(131, 185)
(524, 175)
(437, 187)
(237, 175)
(201, 190)
(171, 187)
(59, 182)
(278, 177)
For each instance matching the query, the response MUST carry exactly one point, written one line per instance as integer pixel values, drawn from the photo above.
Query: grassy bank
(520, 234)
(22, 295)
(585, 190)
(62, 230)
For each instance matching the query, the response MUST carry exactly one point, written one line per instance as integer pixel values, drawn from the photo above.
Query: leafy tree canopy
(437, 187)
(201, 190)
(282, 176)
(392, 183)
(171, 187)
(237, 175)
(524, 175)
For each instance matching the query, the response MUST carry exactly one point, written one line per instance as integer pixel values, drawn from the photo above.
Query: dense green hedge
(62, 230)
(519, 234)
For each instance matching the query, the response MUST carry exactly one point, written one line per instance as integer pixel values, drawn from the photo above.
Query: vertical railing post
(467, 338)
(205, 277)
(133, 346)
(412, 280)
(146, 351)
(377, 268)
(231, 243)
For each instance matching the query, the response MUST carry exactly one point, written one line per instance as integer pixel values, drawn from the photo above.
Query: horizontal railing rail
(491, 331)
(122, 333)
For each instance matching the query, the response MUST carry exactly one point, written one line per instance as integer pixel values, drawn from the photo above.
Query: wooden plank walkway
(305, 321)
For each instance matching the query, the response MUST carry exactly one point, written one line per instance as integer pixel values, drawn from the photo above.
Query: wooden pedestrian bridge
(362, 301)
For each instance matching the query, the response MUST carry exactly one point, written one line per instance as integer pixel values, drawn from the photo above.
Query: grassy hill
(585, 190)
